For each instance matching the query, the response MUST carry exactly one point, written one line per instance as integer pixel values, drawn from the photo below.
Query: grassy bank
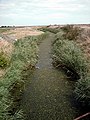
(68, 55)
(12, 85)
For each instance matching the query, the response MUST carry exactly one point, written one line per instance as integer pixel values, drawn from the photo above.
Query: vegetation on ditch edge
(71, 32)
(67, 54)
(12, 84)
(70, 57)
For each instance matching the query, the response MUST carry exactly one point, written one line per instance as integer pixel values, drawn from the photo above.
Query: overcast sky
(42, 12)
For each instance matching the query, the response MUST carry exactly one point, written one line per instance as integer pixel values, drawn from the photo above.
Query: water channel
(48, 92)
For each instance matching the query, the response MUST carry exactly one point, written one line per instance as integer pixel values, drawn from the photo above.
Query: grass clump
(3, 60)
(26, 51)
(68, 55)
(82, 91)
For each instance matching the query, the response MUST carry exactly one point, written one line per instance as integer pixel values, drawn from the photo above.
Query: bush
(3, 60)
(71, 32)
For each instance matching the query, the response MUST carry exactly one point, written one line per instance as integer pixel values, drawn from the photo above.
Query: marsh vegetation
(51, 90)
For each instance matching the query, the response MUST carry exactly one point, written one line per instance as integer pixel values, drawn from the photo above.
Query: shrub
(71, 32)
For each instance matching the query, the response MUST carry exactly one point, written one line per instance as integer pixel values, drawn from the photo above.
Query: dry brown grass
(7, 49)
(18, 33)
(84, 41)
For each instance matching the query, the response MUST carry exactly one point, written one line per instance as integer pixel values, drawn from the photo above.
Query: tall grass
(12, 84)
(82, 91)
(69, 56)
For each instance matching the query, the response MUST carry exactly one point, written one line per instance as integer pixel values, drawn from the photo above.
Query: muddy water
(48, 92)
